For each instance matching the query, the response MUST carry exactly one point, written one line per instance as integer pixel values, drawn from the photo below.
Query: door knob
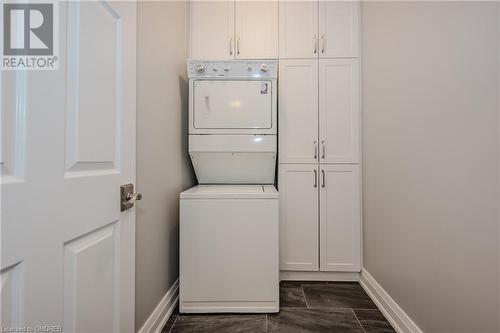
(128, 197)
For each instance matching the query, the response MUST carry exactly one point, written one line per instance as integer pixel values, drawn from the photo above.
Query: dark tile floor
(304, 307)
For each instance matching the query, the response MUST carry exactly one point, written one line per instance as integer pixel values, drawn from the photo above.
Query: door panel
(340, 218)
(256, 29)
(232, 104)
(298, 29)
(298, 187)
(339, 111)
(298, 111)
(212, 30)
(60, 196)
(339, 29)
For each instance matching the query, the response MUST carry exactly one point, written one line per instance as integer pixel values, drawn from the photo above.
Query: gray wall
(163, 166)
(430, 113)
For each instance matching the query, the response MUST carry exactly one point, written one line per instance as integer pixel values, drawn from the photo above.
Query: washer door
(232, 104)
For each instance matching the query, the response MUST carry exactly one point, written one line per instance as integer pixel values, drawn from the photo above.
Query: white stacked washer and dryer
(229, 234)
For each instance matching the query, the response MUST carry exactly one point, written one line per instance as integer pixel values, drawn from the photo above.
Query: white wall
(163, 166)
(431, 160)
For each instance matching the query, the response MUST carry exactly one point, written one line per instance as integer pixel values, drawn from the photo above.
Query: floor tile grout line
(173, 324)
(355, 316)
(304, 294)
(267, 327)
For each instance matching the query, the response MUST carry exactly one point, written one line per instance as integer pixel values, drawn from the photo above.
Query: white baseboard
(401, 322)
(318, 276)
(163, 311)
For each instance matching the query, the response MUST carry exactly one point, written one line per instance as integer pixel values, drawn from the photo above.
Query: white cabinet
(298, 187)
(325, 29)
(339, 110)
(212, 29)
(298, 29)
(340, 218)
(256, 32)
(234, 29)
(298, 111)
(338, 29)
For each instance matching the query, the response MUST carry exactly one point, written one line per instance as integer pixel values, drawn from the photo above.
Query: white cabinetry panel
(339, 111)
(298, 111)
(212, 30)
(256, 32)
(298, 187)
(298, 29)
(339, 29)
(340, 218)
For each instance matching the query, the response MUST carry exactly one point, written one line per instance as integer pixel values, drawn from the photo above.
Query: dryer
(233, 121)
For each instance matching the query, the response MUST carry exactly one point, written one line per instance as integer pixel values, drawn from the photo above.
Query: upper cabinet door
(340, 218)
(339, 110)
(298, 111)
(256, 29)
(298, 29)
(212, 30)
(338, 29)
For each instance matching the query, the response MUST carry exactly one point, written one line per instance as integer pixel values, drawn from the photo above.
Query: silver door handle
(133, 197)
(315, 150)
(323, 176)
(323, 43)
(231, 46)
(128, 197)
(323, 149)
(315, 178)
(238, 46)
(315, 44)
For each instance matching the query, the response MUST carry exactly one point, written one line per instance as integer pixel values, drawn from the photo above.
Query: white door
(338, 29)
(298, 187)
(298, 29)
(212, 30)
(339, 110)
(340, 218)
(67, 255)
(298, 111)
(232, 104)
(256, 30)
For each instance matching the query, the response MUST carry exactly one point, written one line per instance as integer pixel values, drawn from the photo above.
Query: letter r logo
(28, 29)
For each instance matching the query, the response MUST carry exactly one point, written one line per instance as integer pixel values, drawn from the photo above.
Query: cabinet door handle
(323, 149)
(322, 43)
(323, 178)
(315, 38)
(315, 178)
(231, 46)
(238, 46)
(315, 150)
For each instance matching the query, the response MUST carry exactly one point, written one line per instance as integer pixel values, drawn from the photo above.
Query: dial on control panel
(200, 68)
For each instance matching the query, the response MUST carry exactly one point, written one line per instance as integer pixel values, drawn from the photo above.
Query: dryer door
(232, 104)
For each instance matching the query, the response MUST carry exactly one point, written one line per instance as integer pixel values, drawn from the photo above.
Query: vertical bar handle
(315, 38)
(322, 43)
(238, 46)
(231, 46)
(315, 178)
(323, 176)
(323, 149)
(315, 150)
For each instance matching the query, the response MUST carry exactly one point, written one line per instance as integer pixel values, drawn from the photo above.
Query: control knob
(200, 68)
(264, 68)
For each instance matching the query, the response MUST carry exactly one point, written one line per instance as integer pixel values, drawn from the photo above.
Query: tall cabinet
(319, 137)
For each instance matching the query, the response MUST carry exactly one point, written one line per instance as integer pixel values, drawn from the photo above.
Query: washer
(229, 237)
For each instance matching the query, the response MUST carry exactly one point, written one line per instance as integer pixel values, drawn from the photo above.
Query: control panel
(233, 69)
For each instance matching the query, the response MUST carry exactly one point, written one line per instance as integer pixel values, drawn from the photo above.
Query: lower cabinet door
(298, 187)
(340, 218)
